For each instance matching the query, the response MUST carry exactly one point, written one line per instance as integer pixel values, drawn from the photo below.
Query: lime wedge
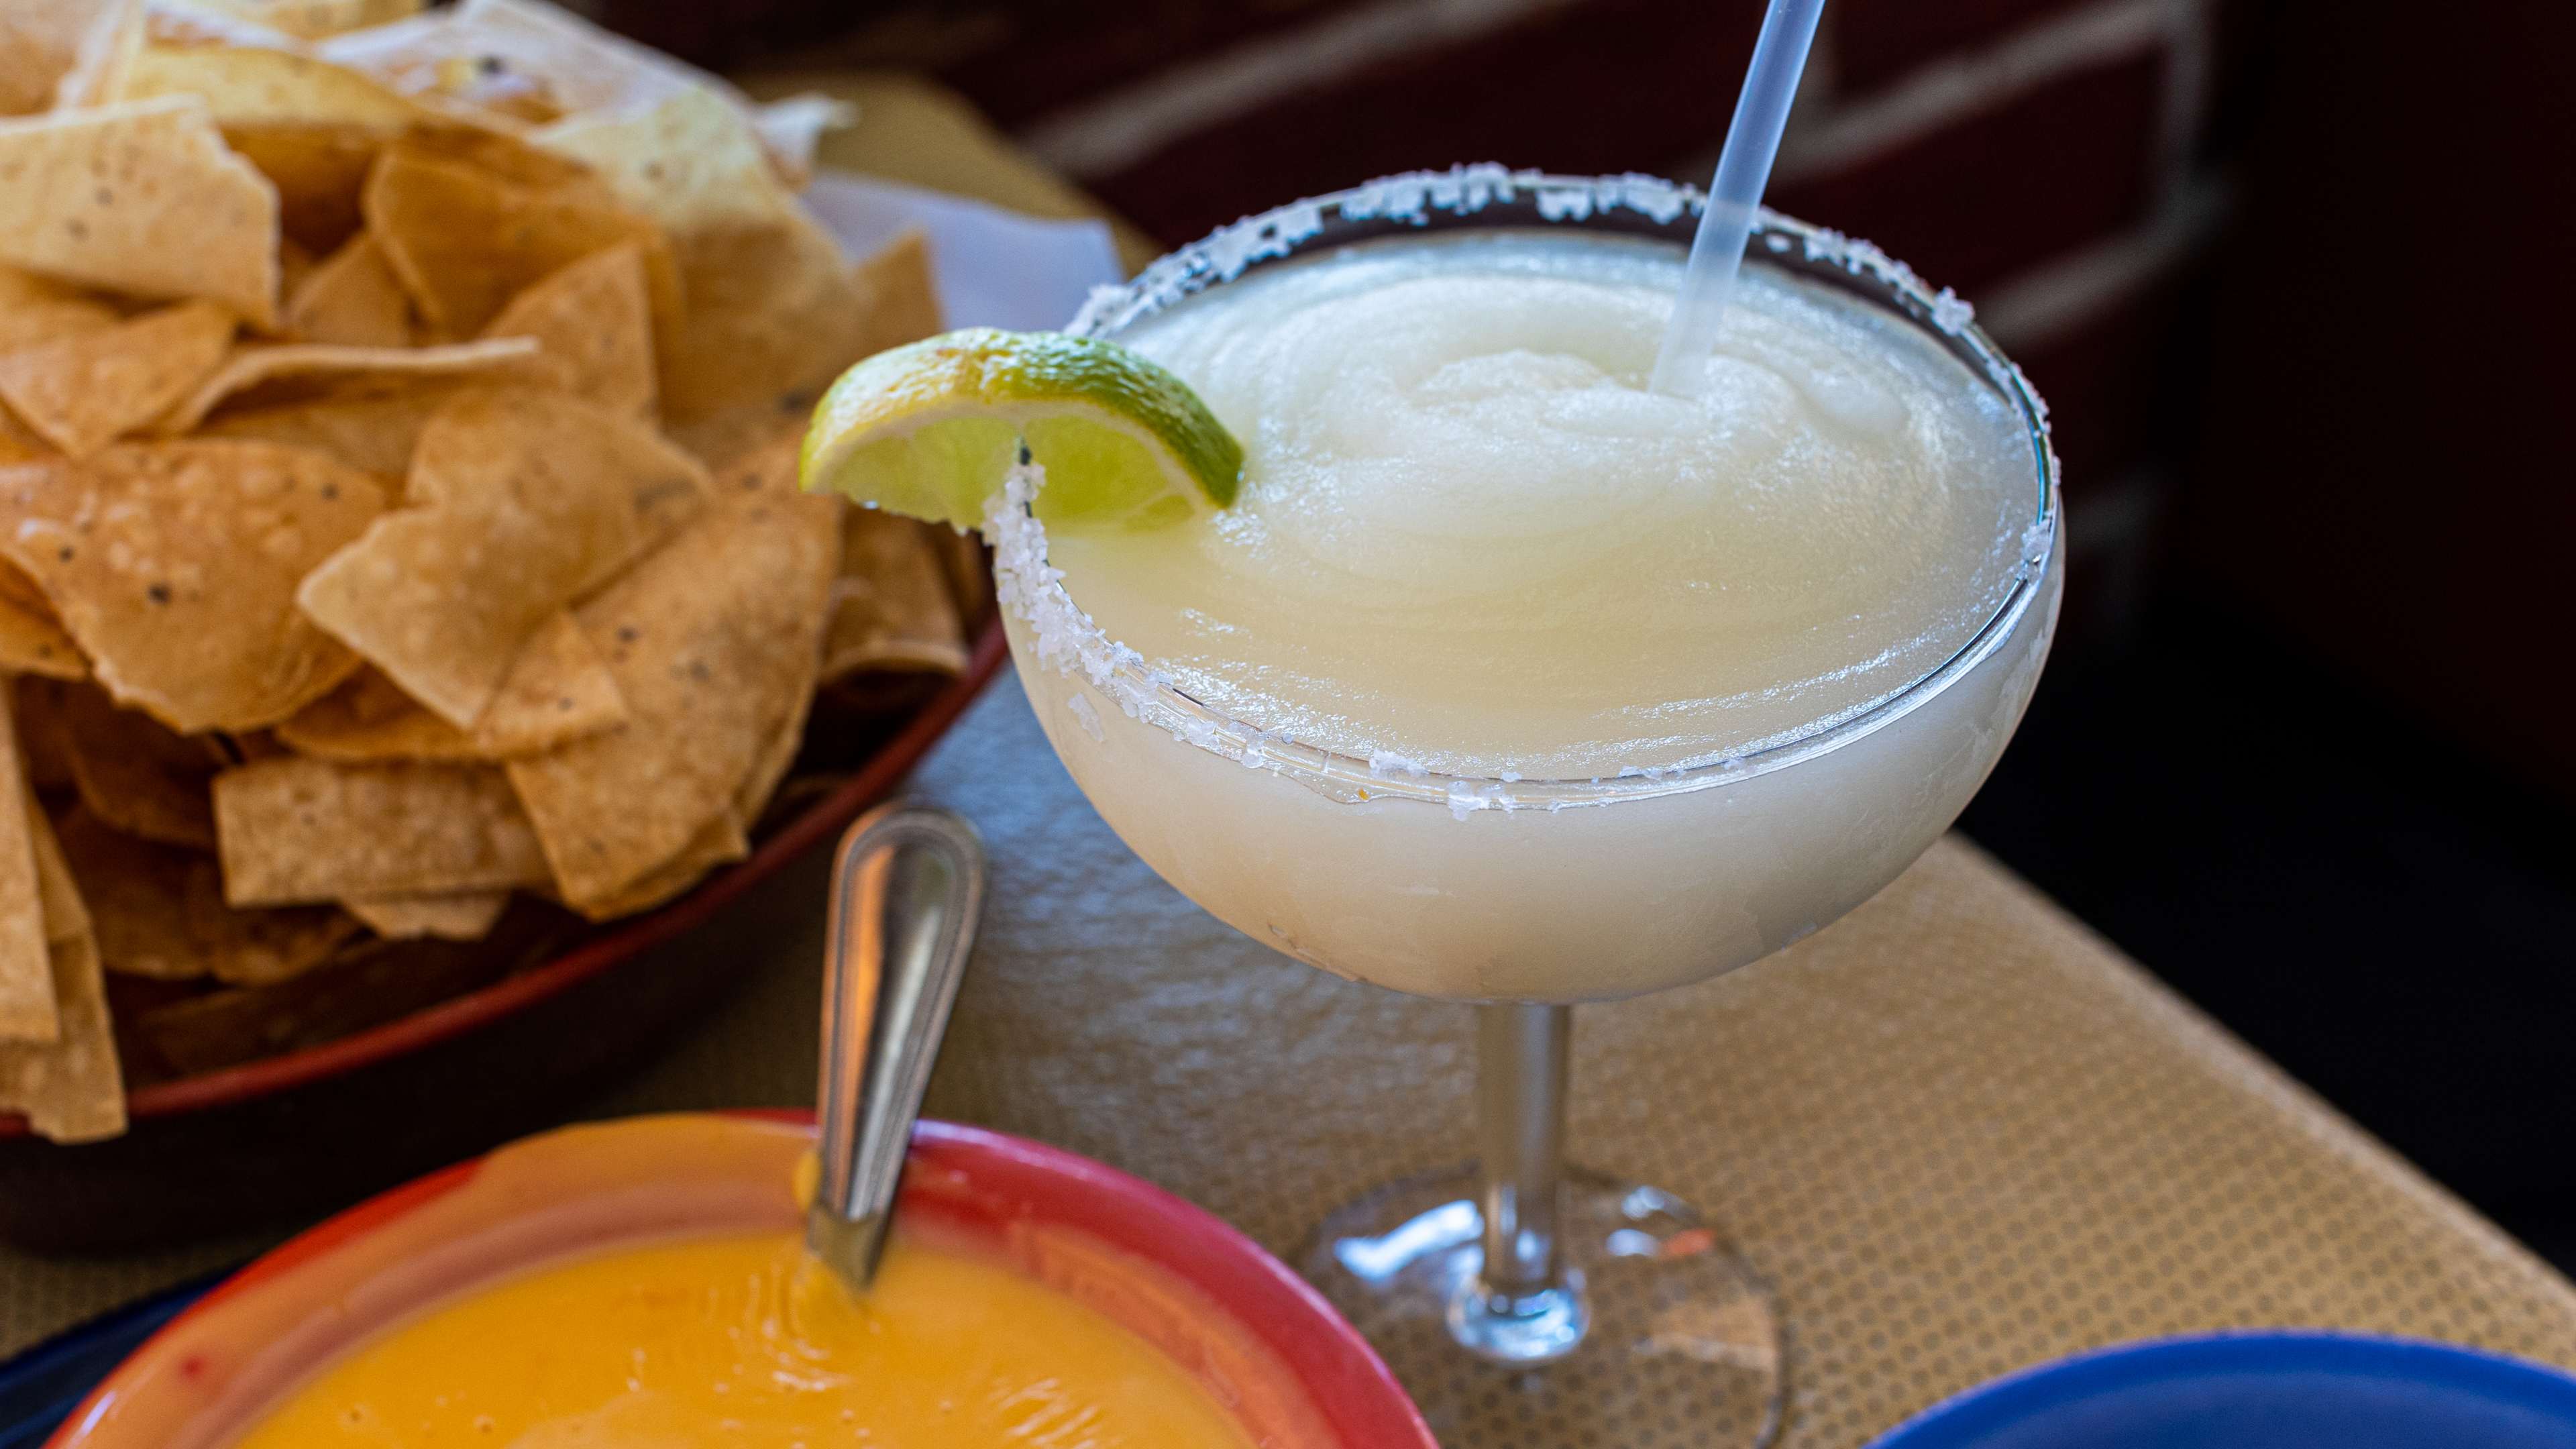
(929, 429)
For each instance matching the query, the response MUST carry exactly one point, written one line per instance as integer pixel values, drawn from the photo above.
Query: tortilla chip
(534, 502)
(769, 468)
(253, 745)
(434, 55)
(136, 776)
(776, 758)
(311, 19)
(38, 706)
(902, 294)
(311, 127)
(372, 432)
(16, 588)
(792, 129)
(159, 913)
(268, 85)
(726, 436)
(82, 392)
(721, 842)
(297, 830)
(17, 445)
(295, 263)
(174, 565)
(369, 720)
(71, 1089)
(251, 85)
(502, 153)
(140, 893)
(900, 305)
(541, 62)
(689, 161)
(34, 310)
(772, 309)
(106, 54)
(257, 374)
(262, 947)
(39, 40)
(318, 171)
(771, 303)
(891, 608)
(31, 643)
(557, 691)
(465, 916)
(366, 984)
(465, 240)
(594, 319)
(203, 22)
(352, 299)
(713, 641)
(27, 1007)
(317, 19)
(19, 287)
(141, 198)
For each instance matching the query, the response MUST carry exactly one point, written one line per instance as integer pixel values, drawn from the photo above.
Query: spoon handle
(907, 886)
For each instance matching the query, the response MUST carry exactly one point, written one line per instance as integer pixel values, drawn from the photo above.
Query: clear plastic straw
(1743, 169)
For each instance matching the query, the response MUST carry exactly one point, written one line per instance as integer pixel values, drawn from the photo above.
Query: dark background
(2293, 273)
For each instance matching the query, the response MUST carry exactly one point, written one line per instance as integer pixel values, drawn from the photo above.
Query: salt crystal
(1565, 203)
(1084, 711)
(1653, 196)
(2036, 541)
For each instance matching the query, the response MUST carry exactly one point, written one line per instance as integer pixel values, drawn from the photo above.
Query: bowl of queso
(642, 1284)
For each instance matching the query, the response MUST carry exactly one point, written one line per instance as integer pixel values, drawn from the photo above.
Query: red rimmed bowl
(289, 1133)
(1264, 1344)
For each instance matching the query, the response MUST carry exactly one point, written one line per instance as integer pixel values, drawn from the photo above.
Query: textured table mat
(1958, 1132)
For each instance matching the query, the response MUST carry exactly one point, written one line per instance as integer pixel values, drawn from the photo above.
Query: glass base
(1675, 1342)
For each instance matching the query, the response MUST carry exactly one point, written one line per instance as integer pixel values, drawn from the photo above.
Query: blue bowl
(40, 1387)
(2264, 1390)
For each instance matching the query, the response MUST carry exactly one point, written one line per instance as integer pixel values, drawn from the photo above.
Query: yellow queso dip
(741, 1342)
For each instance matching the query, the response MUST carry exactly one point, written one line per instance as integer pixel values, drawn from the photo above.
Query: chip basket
(321, 1126)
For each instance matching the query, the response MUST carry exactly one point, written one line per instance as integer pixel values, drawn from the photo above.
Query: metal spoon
(907, 887)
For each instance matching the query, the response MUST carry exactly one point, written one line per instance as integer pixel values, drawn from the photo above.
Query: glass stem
(1522, 1307)
(1521, 1057)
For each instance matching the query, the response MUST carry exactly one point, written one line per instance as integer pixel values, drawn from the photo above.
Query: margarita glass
(1527, 895)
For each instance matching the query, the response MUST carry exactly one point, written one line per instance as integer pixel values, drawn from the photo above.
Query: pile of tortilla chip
(401, 565)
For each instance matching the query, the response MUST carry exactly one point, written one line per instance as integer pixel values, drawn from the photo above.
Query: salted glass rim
(1494, 196)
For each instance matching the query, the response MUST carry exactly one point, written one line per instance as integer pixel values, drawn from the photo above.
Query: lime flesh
(929, 429)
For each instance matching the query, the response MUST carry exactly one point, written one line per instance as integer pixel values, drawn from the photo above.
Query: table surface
(1957, 1131)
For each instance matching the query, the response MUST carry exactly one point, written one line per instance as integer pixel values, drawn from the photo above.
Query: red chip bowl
(322, 1126)
(1262, 1343)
